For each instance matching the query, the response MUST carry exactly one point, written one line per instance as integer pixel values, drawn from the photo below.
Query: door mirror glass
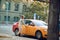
(32, 24)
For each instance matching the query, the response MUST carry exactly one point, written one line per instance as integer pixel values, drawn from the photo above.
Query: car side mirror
(32, 24)
(26, 25)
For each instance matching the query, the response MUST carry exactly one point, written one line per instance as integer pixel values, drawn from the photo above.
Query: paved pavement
(6, 29)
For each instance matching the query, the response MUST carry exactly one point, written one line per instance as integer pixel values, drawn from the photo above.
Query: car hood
(46, 27)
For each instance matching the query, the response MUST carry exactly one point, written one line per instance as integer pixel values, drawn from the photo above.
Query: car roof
(34, 20)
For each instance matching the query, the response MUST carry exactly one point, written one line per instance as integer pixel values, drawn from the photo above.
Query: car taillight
(17, 23)
(14, 23)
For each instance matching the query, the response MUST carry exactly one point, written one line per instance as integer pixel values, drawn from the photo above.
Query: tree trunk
(54, 9)
(59, 24)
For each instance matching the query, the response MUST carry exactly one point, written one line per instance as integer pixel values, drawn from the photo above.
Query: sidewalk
(5, 36)
(6, 29)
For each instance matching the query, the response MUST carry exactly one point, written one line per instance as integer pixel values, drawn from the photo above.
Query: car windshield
(40, 23)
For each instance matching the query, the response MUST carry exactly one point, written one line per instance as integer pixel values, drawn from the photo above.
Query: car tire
(16, 32)
(38, 35)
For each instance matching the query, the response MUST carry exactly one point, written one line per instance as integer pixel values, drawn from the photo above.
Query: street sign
(7, 3)
(34, 16)
(38, 17)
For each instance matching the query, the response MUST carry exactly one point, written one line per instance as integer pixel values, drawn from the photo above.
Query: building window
(0, 1)
(16, 19)
(24, 8)
(7, 6)
(6, 18)
(16, 7)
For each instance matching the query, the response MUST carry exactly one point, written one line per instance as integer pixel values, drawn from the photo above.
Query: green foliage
(38, 8)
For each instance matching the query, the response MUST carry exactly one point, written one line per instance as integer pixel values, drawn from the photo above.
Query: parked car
(15, 28)
(31, 27)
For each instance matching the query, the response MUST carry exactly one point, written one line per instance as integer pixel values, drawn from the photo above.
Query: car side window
(28, 22)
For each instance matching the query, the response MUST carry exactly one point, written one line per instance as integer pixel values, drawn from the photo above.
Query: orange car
(35, 28)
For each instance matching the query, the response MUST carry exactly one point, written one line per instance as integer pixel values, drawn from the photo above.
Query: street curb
(5, 36)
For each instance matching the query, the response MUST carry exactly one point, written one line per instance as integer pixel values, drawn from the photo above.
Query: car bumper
(44, 34)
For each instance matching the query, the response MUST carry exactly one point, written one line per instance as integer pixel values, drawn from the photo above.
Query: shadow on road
(29, 37)
(33, 37)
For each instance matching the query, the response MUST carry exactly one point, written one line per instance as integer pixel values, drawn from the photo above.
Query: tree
(54, 8)
(38, 8)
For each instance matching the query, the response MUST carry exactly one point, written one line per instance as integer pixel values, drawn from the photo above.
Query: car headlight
(45, 30)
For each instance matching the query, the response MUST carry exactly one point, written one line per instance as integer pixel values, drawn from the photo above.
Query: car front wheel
(38, 35)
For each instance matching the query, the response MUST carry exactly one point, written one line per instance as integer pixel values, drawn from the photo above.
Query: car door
(32, 29)
(23, 30)
(25, 27)
(22, 27)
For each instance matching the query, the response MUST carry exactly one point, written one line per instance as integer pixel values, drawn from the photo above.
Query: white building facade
(10, 11)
